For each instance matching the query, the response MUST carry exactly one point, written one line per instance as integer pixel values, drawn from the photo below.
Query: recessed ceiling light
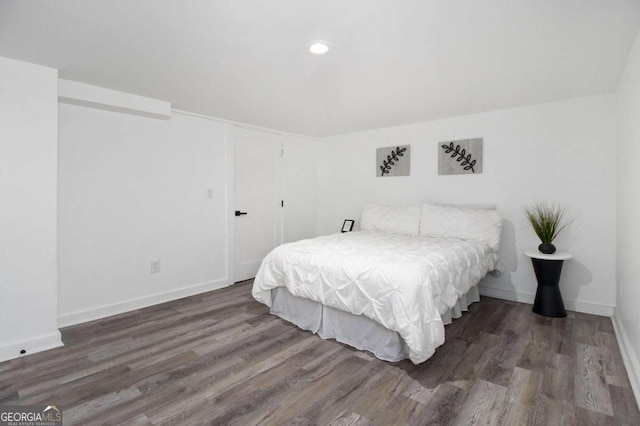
(319, 47)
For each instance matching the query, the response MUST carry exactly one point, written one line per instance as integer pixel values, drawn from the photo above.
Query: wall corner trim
(75, 93)
(37, 344)
(79, 317)
(629, 357)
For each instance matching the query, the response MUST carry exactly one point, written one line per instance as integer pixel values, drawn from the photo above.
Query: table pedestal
(548, 298)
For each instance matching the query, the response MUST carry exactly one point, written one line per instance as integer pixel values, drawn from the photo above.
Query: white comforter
(403, 282)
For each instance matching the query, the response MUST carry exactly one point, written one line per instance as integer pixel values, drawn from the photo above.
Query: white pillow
(469, 206)
(403, 220)
(463, 223)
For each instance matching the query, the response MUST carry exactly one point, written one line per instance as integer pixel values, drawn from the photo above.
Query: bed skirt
(357, 331)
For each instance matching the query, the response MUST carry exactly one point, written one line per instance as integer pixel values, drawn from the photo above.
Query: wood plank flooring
(221, 358)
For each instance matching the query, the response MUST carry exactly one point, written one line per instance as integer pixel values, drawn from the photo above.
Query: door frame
(230, 200)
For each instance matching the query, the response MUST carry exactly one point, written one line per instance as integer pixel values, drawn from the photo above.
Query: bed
(392, 286)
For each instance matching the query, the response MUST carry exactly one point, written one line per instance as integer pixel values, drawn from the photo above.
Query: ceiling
(391, 62)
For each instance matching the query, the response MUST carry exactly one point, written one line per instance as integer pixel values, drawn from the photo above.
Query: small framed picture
(347, 226)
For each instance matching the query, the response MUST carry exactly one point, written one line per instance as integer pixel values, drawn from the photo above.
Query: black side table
(548, 268)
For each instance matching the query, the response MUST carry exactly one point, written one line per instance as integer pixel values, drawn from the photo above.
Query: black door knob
(239, 213)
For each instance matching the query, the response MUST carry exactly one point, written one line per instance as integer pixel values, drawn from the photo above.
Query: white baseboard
(31, 346)
(572, 305)
(78, 317)
(629, 357)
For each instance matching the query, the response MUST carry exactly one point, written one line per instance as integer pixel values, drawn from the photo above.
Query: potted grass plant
(547, 220)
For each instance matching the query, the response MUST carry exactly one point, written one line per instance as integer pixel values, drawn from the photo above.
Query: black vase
(547, 248)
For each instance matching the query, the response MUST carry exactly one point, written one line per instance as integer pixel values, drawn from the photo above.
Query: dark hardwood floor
(221, 358)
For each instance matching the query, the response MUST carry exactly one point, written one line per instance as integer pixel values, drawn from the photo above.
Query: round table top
(559, 255)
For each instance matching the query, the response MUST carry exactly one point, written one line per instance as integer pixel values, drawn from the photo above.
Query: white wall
(299, 188)
(627, 318)
(562, 151)
(133, 189)
(28, 275)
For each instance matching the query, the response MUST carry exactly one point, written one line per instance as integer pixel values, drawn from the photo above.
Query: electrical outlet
(210, 193)
(155, 266)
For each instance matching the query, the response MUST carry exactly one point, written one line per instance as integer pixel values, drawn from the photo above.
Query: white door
(258, 185)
